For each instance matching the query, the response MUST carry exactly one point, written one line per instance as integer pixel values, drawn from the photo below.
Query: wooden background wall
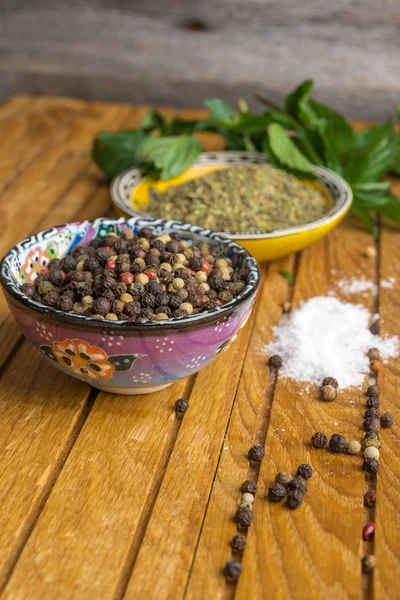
(180, 51)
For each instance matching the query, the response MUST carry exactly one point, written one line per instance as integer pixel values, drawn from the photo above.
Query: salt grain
(325, 337)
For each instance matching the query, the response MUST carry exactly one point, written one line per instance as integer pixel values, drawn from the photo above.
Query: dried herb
(242, 198)
(293, 137)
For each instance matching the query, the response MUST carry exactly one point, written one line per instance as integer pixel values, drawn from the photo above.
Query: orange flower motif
(81, 358)
(35, 260)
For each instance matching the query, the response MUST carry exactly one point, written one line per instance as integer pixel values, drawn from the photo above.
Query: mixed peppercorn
(137, 277)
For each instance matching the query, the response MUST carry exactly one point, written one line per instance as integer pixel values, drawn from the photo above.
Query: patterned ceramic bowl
(120, 356)
(130, 192)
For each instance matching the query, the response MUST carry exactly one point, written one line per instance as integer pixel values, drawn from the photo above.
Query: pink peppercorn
(127, 277)
(206, 267)
(150, 274)
(63, 274)
(110, 264)
(370, 498)
(368, 531)
(108, 248)
(43, 271)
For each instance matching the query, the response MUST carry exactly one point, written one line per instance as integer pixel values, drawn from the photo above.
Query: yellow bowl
(130, 193)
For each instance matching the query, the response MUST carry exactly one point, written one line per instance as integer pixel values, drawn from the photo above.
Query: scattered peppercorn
(298, 483)
(305, 471)
(181, 405)
(386, 420)
(337, 443)
(249, 486)
(375, 365)
(276, 492)
(368, 563)
(238, 543)
(372, 402)
(371, 452)
(370, 498)
(283, 478)
(232, 570)
(243, 516)
(294, 499)
(372, 442)
(373, 391)
(275, 361)
(372, 424)
(371, 465)
(319, 440)
(354, 447)
(328, 393)
(161, 273)
(373, 354)
(375, 328)
(256, 453)
(330, 381)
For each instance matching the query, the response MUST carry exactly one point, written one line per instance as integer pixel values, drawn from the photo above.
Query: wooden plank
(387, 534)
(14, 106)
(210, 50)
(246, 427)
(171, 536)
(24, 137)
(95, 516)
(40, 418)
(313, 552)
(80, 192)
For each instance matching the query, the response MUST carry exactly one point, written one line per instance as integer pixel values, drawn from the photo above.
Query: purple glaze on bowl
(121, 356)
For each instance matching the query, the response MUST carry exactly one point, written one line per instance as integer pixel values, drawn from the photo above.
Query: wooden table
(106, 496)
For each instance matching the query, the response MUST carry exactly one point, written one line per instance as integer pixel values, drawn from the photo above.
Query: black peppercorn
(68, 263)
(132, 309)
(372, 424)
(374, 391)
(276, 492)
(238, 543)
(371, 465)
(283, 478)
(275, 361)
(83, 288)
(109, 295)
(101, 306)
(368, 563)
(375, 328)
(372, 402)
(174, 302)
(294, 499)
(56, 276)
(117, 307)
(108, 282)
(109, 240)
(387, 420)
(162, 299)
(243, 516)
(298, 483)
(232, 570)
(256, 453)
(196, 263)
(330, 381)
(372, 412)
(305, 471)
(51, 299)
(28, 289)
(91, 264)
(249, 486)
(373, 434)
(172, 247)
(319, 440)
(148, 300)
(181, 405)
(337, 443)
(55, 263)
(102, 255)
(152, 259)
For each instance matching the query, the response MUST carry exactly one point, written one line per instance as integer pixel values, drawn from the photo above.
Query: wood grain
(313, 552)
(387, 535)
(179, 53)
(246, 427)
(172, 533)
(95, 514)
(41, 411)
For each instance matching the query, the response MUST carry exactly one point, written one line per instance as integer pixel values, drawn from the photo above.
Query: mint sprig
(294, 137)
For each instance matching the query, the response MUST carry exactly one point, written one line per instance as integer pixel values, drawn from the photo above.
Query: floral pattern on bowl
(120, 356)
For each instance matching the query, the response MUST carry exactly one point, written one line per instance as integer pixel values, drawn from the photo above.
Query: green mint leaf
(364, 217)
(219, 109)
(172, 155)
(370, 162)
(296, 100)
(114, 152)
(287, 275)
(391, 209)
(287, 152)
(248, 122)
(376, 186)
(152, 120)
(371, 200)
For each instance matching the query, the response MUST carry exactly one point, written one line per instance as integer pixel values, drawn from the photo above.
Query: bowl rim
(220, 158)
(176, 322)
